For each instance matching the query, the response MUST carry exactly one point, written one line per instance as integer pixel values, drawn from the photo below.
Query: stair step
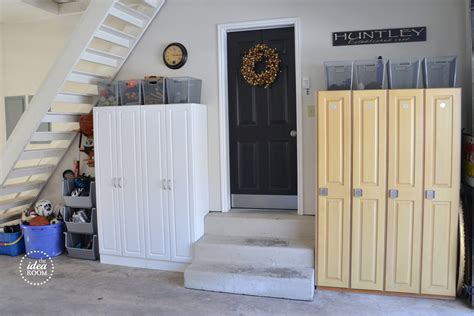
(86, 77)
(281, 282)
(100, 57)
(21, 187)
(129, 15)
(261, 224)
(114, 36)
(49, 136)
(28, 171)
(151, 3)
(255, 250)
(11, 218)
(75, 97)
(15, 202)
(64, 117)
(42, 153)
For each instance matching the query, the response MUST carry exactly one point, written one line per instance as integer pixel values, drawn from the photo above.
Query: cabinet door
(369, 162)
(334, 186)
(442, 177)
(107, 194)
(129, 174)
(155, 198)
(178, 123)
(405, 184)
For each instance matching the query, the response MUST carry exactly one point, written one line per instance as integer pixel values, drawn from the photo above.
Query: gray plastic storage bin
(183, 90)
(154, 91)
(78, 201)
(80, 228)
(370, 74)
(404, 73)
(130, 92)
(73, 241)
(339, 74)
(108, 94)
(440, 72)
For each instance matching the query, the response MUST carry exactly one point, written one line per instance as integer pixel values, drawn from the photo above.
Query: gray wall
(194, 23)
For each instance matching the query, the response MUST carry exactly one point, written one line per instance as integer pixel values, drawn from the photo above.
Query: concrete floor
(90, 288)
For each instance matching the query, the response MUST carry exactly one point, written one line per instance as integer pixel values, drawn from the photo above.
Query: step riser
(289, 288)
(253, 227)
(113, 39)
(27, 155)
(50, 136)
(77, 99)
(270, 256)
(17, 173)
(21, 188)
(61, 118)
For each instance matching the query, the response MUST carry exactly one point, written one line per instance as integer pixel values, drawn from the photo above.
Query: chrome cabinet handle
(169, 185)
(293, 133)
(120, 183)
(163, 184)
(114, 182)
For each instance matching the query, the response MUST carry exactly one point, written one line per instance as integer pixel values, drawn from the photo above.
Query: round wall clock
(175, 55)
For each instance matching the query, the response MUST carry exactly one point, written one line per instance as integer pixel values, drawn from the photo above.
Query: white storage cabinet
(152, 183)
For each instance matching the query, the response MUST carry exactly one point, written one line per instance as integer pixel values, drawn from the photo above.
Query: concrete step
(255, 250)
(260, 224)
(291, 283)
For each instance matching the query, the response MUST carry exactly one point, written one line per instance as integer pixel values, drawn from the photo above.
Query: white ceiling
(16, 11)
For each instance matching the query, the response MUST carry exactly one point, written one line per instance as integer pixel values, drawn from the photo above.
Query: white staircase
(263, 254)
(106, 35)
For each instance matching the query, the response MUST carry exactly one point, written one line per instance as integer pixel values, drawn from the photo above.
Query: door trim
(222, 30)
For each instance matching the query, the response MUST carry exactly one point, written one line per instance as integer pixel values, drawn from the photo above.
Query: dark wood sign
(382, 36)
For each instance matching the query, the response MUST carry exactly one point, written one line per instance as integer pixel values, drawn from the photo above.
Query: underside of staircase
(106, 35)
(263, 254)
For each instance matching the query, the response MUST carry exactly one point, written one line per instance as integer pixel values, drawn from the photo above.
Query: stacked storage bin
(81, 238)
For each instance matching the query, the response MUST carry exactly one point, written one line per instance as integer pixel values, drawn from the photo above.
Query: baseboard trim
(387, 293)
(144, 263)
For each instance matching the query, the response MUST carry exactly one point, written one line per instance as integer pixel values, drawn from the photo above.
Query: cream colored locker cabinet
(441, 196)
(369, 161)
(405, 191)
(334, 187)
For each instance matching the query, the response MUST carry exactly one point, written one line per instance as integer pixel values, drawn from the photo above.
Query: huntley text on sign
(382, 36)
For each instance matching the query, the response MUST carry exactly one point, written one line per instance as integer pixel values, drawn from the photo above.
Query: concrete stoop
(273, 256)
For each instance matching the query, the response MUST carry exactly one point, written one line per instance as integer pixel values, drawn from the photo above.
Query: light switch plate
(311, 111)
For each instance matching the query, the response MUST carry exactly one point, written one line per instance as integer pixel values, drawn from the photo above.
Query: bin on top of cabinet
(183, 90)
(108, 93)
(440, 72)
(130, 92)
(154, 91)
(404, 73)
(369, 74)
(339, 74)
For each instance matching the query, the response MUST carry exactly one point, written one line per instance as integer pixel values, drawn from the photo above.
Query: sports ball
(77, 192)
(39, 221)
(86, 124)
(44, 208)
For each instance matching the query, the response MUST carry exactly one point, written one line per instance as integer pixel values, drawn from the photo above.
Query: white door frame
(222, 30)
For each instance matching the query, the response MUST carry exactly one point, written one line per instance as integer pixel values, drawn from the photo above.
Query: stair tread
(257, 242)
(30, 183)
(131, 11)
(20, 199)
(104, 53)
(35, 150)
(35, 167)
(253, 270)
(85, 73)
(67, 113)
(118, 32)
(82, 94)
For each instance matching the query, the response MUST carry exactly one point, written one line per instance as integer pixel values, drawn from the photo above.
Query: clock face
(175, 55)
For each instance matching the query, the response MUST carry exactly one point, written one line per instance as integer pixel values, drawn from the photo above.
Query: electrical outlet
(311, 111)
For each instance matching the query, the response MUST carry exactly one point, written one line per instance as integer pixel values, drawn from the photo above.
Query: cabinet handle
(169, 185)
(358, 193)
(114, 182)
(120, 183)
(430, 194)
(163, 184)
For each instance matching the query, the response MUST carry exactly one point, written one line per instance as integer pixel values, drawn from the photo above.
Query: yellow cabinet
(442, 185)
(369, 161)
(405, 191)
(334, 186)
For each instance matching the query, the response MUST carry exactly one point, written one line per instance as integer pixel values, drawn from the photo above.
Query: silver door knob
(293, 133)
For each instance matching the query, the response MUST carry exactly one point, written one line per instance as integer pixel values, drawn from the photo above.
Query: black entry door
(262, 125)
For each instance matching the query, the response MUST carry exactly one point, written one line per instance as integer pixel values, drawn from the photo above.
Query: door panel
(129, 171)
(405, 175)
(262, 152)
(155, 198)
(442, 175)
(180, 190)
(334, 175)
(107, 196)
(369, 176)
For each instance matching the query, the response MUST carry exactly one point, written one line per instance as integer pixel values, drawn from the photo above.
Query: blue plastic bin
(13, 250)
(48, 239)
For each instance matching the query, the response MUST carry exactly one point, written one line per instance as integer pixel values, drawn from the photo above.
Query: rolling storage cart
(81, 236)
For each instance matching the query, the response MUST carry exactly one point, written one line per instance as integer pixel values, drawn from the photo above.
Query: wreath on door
(260, 52)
